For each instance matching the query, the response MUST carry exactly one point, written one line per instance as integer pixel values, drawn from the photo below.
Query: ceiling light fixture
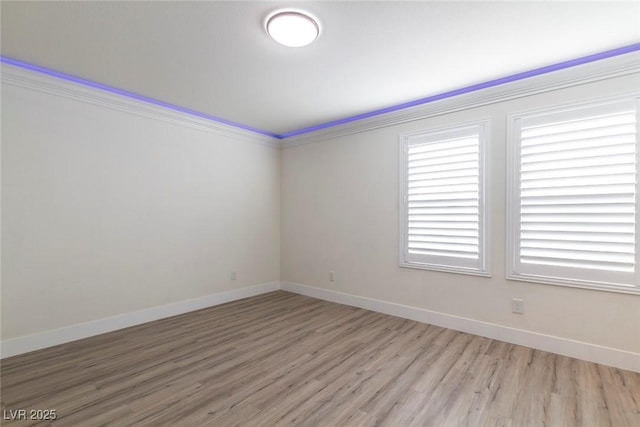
(292, 28)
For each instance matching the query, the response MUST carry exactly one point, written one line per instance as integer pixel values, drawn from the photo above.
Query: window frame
(548, 274)
(484, 250)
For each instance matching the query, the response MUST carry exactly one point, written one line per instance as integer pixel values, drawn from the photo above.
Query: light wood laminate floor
(286, 359)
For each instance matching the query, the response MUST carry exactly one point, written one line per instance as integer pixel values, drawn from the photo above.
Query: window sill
(445, 269)
(594, 286)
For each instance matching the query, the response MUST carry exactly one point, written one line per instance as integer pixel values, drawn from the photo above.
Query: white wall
(340, 212)
(110, 208)
(108, 212)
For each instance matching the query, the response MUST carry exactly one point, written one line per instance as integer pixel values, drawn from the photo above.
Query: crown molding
(31, 80)
(586, 73)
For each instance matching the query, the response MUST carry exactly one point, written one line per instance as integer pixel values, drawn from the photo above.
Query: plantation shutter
(443, 199)
(578, 192)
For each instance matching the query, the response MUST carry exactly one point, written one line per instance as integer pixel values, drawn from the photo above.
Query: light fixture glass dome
(292, 28)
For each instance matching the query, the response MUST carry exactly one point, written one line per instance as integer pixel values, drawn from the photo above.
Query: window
(443, 219)
(573, 196)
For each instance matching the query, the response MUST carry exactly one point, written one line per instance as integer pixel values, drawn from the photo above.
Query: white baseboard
(24, 344)
(566, 347)
(553, 344)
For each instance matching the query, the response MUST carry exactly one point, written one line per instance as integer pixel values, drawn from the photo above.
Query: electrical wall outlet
(233, 275)
(517, 305)
(332, 276)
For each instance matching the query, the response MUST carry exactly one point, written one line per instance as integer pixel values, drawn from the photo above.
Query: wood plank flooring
(285, 359)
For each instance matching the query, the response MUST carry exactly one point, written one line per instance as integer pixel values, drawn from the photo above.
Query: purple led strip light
(472, 88)
(491, 83)
(105, 88)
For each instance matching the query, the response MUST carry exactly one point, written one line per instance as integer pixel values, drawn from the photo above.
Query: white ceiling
(215, 58)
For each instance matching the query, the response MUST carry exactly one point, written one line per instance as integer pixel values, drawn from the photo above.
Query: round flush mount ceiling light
(292, 28)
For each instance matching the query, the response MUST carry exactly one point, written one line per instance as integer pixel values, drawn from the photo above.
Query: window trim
(484, 247)
(513, 199)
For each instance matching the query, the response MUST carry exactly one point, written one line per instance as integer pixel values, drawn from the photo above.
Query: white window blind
(443, 199)
(575, 196)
